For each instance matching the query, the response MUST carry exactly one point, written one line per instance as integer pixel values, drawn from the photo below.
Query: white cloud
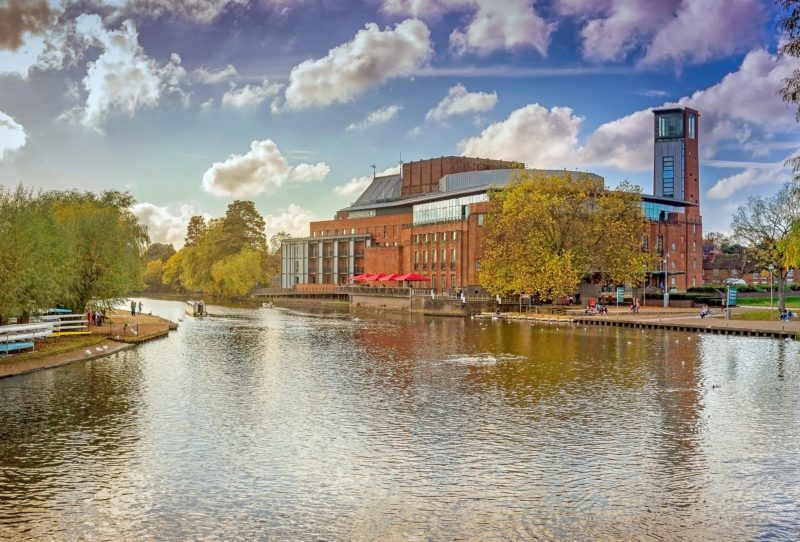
(675, 31)
(308, 173)
(379, 116)
(23, 58)
(459, 102)
(533, 134)
(702, 30)
(202, 11)
(763, 174)
(12, 135)
(262, 169)
(493, 25)
(742, 106)
(293, 220)
(503, 25)
(207, 77)
(250, 95)
(123, 77)
(163, 225)
(372, 57)
(357, 185)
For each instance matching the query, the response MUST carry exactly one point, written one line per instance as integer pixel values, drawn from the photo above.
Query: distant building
(429, 218)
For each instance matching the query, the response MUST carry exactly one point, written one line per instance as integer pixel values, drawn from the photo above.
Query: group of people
(787, 315)
(133, 308)
(596, 309)
(96, 318)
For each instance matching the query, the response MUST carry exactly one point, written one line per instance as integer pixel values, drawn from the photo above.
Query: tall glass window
(670, 125)
(668, 176)
(692, 125)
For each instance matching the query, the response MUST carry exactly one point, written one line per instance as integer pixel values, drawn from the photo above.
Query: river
(275, 424)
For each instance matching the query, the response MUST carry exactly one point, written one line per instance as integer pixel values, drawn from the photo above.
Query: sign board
(620, 295)
(731, 297)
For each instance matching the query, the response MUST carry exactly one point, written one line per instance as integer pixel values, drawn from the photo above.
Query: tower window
(692, 125)
(668, 176)
(670, 125)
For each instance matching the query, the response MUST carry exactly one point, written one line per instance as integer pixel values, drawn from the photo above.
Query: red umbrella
(378, 276)
(392, 276)
(412, 277)
(359, 278)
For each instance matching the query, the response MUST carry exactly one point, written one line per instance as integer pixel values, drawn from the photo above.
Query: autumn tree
(106, 243)
(159, 251)
(238, 274)
(33, 255)
(764, 226)
(197, 224)
(545, 233)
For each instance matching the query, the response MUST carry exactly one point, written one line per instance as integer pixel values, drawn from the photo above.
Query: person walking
(140, 307)
(133, 308)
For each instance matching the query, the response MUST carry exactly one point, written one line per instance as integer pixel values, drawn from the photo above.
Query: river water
(274, 424)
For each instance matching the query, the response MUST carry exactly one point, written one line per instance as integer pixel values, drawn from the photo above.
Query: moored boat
(195, 308)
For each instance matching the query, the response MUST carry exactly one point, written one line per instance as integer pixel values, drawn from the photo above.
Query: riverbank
(119, 332)
(668, 319)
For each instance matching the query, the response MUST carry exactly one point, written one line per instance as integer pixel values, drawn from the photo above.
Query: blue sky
(190, 104)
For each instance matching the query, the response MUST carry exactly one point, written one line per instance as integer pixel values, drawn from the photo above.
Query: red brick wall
(692, 165)
(686, 233)
(423, 176)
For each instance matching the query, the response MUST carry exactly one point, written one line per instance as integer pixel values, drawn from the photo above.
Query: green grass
(756, 315)
(56, 345)
(793, 301)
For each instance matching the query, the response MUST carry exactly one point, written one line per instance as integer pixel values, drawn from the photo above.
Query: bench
(10, 347)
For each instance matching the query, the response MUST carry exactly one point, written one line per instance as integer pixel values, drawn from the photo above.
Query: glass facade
(658, 211)
(692, 125)
(446, 210)
(670, 125)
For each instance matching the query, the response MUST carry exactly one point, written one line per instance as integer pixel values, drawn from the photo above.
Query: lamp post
(771, 269)
(666, 275)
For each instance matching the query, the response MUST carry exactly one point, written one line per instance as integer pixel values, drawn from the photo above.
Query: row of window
(433, 257)
(435, 236)
(446, 210)
(672, 125)
(389, 230)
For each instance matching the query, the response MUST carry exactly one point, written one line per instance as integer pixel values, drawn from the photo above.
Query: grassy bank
(56, 345)
(791, 301)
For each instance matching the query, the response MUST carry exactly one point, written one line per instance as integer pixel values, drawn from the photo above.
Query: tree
(723, 242)
(159, 251)
(790, 25)
(238, 274)
(244, 227)
(195, 228)
(172, 269)
(106, 243)
(764, 226)
(273, 259)
(33, 255)
(545, 233)
(152, 275)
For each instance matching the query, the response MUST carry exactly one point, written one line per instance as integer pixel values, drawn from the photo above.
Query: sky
(192, 104)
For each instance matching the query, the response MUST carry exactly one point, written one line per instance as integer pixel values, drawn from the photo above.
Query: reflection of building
(428, 219)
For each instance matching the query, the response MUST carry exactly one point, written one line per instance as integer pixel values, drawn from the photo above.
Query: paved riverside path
(673, 319)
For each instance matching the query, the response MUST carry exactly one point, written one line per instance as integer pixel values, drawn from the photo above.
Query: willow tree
(106, 243)
(546, 233)
(33, 255)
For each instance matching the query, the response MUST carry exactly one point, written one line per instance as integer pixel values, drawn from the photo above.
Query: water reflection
(269, 423)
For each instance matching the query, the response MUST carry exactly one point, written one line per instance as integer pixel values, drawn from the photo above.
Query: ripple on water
(267, 423)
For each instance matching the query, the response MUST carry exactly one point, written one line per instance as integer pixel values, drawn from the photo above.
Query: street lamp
(771, 269)
(666, 280)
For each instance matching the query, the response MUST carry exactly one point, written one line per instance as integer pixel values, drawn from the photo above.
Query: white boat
(195, 308)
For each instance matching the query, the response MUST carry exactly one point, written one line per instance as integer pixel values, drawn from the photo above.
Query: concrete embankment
(673, 320)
